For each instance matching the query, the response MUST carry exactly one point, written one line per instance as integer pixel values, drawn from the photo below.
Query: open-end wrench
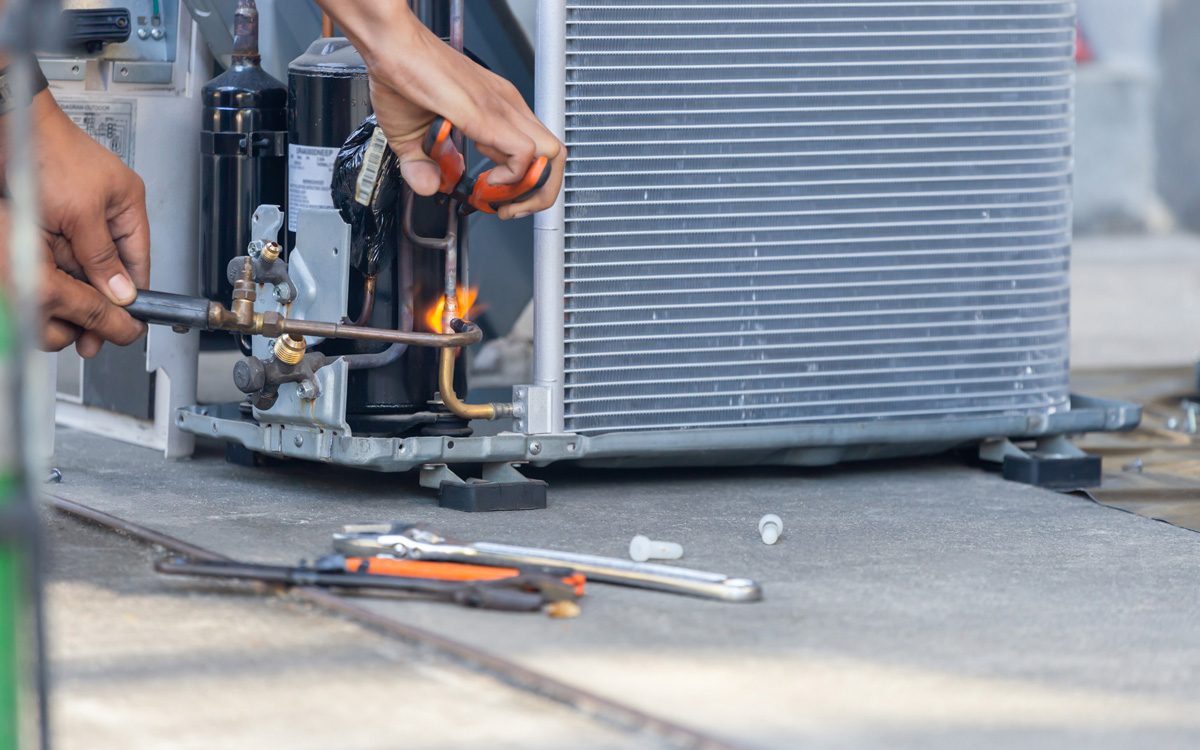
(418, 542)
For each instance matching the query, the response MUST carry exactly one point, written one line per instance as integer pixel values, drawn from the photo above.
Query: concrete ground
(917, 604)
(1135, 301)
(909, 604)
(144, 662)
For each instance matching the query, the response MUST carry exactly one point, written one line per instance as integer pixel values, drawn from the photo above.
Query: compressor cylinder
(243, 141)
(329, 97)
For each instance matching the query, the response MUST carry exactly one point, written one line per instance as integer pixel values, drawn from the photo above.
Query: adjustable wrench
(418, 542)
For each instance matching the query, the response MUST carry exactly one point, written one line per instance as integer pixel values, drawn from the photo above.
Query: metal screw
(1172, 423)
(280, 293)
(307, 390)
(158, 34)
(298, 441)
(55, 476)
(143, 33)
(124, 72)
(535, 448)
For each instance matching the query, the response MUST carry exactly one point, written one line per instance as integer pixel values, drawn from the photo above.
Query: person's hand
(73, 311)
(415, 76)
(94, 211)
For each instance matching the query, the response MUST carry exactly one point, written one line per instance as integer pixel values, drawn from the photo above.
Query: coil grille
(783, 212)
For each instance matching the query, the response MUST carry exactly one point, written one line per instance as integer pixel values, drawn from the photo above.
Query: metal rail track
(606, 710)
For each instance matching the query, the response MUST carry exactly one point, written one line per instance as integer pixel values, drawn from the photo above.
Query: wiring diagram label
(110, 122)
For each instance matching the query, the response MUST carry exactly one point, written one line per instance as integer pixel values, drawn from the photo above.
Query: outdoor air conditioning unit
(798, 232)
(791, 233)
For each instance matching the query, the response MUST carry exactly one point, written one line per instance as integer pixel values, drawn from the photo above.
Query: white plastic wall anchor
(770, 527)
(642, 549)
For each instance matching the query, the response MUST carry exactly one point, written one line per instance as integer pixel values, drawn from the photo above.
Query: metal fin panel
(782, 211)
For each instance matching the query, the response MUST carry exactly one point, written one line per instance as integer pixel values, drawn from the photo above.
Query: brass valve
(290, 349)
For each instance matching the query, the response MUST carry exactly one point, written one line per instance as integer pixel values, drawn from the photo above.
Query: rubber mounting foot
(1062, 473)
(478, 496)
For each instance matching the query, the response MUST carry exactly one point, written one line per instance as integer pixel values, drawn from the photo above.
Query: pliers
(476, 193)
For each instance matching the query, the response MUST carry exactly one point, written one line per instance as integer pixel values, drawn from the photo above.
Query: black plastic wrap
(366, 190)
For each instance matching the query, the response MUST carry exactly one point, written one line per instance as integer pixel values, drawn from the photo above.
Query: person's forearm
(374, 27)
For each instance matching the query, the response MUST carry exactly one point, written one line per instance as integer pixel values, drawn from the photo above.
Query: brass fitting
(270, 251)
(244, 295)
(290, 349)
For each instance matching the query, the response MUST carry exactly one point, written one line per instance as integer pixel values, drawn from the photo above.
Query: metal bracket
(532, 409)
(213, 28)
(434, 475)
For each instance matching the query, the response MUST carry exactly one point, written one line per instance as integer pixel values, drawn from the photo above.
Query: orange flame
(465, 297)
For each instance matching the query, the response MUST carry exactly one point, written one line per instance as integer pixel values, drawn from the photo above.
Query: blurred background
(1137, 195)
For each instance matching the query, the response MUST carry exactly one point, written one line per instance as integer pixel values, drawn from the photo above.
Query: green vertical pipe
(12, 573)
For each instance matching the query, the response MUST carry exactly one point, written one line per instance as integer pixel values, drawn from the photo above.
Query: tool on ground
(770, 527)
(418, 542)
(518, 594)
(445, 571)
(477, 193)
(642, 549)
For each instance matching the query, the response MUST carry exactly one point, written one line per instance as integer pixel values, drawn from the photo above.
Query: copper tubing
(464, 335)
(368, 306)
(453, 403)
(326, 25)
(164, 308)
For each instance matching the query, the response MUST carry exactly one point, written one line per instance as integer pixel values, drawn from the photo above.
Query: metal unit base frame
(818, 444)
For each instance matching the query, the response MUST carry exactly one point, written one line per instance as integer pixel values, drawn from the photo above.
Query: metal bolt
(143, 33)
(55, 476)
(298, 441)
(642, 549)
(535, 448)
(158, 34)
(307, 391)
(770, 527)
(280, 293)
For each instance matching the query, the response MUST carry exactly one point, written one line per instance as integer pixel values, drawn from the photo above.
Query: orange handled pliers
(476, 193)
(445, 571)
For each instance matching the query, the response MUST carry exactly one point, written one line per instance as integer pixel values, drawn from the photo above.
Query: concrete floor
(1135, 301)
(916, 604)
(142, 662)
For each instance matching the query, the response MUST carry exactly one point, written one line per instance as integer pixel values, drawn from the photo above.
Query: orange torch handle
(477, 193)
